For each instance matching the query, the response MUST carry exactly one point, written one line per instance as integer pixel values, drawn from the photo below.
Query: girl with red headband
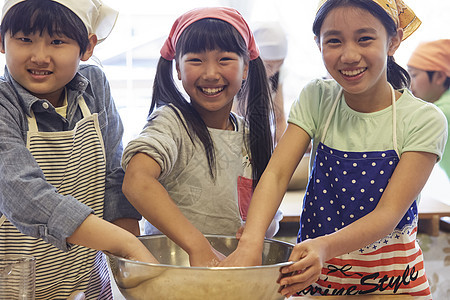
(374, 146)
(193, 168)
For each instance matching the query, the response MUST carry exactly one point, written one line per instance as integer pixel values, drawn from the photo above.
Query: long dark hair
(210, 34)
(397, 76)
(39, 16)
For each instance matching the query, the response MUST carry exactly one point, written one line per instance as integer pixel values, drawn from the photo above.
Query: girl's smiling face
(355, 46)
(212, 79)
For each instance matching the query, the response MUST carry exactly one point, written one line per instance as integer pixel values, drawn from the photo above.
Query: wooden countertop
(430, 211)
(366, 297)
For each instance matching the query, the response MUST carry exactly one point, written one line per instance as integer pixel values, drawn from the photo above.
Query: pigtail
(166, 92)
(397, 76)
(260, 118)
(274, 80)
(447, 83)
(164, 88)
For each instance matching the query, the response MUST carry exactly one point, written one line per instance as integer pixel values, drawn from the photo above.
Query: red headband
(226, 14)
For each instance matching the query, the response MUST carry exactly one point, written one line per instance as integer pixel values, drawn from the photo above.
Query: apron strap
(32, 124)
(84, 108)
(394, 121)
(2, 220)
(330, 116)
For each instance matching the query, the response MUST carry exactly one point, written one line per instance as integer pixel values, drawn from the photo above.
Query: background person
(272, 42)
(429, 66)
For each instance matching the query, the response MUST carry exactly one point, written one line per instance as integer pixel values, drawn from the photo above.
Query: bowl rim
(126, 260)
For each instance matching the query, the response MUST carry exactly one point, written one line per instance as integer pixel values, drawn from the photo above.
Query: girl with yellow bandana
(374, 146)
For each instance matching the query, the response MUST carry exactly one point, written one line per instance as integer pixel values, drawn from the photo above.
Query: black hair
(274, 79)
(397, 76)
(45, 16)
(446, 82)
(210, 34)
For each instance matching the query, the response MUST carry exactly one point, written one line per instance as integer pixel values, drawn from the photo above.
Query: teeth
(212, 91)
(39, 72)
(353, 72)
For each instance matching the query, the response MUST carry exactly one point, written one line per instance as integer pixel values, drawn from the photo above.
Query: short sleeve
(427, 132)
(160, 139)
(313, 105)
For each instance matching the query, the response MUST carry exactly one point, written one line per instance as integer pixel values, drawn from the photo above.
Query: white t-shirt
(211, 206)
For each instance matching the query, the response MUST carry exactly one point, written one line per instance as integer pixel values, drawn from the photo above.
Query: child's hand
(309, 257)
(243, 257)
(77, 295)
(208, 258)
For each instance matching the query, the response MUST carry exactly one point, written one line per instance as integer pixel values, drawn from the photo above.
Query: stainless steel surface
(173, 279)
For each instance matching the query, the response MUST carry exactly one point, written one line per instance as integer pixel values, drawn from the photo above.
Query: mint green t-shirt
(444, 104)
(420, 126)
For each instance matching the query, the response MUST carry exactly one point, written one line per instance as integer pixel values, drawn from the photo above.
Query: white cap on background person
(271, 40)
(96, 16)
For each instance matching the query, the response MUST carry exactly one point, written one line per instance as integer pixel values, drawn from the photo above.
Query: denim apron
(343, 187)
(74, 163)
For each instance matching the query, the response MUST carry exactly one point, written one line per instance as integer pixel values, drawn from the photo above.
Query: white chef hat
(271, 40)
(96, 16)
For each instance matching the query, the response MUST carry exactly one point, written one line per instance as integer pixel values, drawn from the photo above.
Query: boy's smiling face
(44, 64)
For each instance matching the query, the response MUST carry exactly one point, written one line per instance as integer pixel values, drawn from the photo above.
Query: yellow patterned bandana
(402, 15)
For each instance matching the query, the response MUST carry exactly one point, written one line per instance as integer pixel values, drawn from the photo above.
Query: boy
(60, 149)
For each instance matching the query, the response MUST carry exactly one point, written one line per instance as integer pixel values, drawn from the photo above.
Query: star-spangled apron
(343, 187)
(74, 162)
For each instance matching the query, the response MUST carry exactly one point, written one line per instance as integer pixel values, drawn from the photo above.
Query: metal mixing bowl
(173, 279)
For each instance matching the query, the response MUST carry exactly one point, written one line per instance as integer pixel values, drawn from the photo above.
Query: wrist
(251, 242)
(197, 244)
(323, 244)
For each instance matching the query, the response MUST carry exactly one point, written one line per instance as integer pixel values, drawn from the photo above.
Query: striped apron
(74, 163)
(345, 186)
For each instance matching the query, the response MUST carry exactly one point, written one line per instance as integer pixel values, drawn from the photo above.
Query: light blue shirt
(26, 198)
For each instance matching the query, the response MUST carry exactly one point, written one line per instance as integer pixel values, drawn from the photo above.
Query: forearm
(155, 204)
(404, 186)
(152, 200)
(96, 233)
(359, 234)
(35, 207)
(273, 183)
(266, 199)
